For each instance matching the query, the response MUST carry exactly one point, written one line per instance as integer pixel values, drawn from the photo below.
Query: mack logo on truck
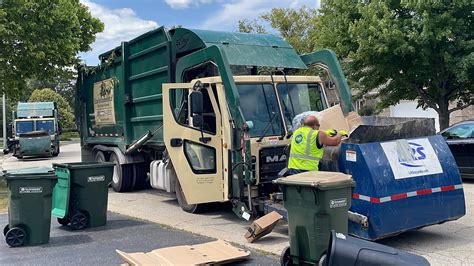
(98, 178)
(337, 203)
(30, 190)
(275, 158)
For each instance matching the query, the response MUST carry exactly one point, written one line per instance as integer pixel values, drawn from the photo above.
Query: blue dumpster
(402, 185)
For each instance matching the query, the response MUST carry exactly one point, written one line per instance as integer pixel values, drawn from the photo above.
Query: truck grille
(271, 161)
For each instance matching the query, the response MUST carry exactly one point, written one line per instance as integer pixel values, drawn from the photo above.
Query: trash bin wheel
(5, 229)
(285, 258)
(78, 221)
(15, 237)
(63, 221)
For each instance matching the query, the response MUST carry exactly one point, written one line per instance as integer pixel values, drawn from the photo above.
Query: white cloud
(231, 13)
(176, 4)
(120, 25)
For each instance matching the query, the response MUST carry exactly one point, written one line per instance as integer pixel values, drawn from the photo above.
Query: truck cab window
(180, 104)
(299, 98)
(24, 127)
(259, 106)
(46, 125)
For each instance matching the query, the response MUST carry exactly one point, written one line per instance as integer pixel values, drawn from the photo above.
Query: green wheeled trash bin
(81, 194)
(29, 208)
(317, 202)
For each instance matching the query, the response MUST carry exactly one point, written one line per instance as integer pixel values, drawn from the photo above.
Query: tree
(404, 50)
(296, 26)
(66, 116)
(251, 26)
(407, 50)
(40, 40)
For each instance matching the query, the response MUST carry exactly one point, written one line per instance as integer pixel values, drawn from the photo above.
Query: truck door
(196, 154)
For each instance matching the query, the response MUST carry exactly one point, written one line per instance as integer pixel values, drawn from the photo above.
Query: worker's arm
(326, 140)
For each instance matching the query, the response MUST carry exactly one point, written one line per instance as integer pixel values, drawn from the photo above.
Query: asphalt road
(96, 246)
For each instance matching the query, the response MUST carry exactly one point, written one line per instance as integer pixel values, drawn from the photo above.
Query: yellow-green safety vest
(304, 154)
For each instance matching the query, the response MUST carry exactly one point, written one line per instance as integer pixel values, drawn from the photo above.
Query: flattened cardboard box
(333, 118)
(262, 226)
(216, 252)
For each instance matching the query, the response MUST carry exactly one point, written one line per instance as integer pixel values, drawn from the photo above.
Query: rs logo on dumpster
(28, 190)
(337, 203)
(98, 178)
(417, 154)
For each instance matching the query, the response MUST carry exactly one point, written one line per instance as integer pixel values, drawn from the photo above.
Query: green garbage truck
(34, 130)
(203, 114)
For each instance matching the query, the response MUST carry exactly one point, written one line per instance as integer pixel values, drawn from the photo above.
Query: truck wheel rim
(115, 176)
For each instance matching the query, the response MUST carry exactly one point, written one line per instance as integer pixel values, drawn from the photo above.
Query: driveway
(96, 246)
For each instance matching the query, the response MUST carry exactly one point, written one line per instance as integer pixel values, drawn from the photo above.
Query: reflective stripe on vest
(304, 155)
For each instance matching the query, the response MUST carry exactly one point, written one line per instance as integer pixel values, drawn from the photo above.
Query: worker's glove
(331, 132)
(343, 133)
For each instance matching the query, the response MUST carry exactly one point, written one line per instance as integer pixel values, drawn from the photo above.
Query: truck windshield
(46, 125)
(259, 105)
(24, 127)
(299, 98)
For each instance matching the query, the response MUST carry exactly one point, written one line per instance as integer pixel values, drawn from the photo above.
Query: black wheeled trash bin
(81, 194)
(29, 208)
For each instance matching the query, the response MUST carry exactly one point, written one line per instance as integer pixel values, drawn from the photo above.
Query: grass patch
(67, 136)
(3, 196)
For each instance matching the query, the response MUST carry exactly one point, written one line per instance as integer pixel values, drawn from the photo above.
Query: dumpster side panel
(31, 146)
(397, 194)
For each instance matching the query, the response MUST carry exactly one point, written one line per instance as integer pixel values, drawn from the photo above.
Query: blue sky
(126, 19)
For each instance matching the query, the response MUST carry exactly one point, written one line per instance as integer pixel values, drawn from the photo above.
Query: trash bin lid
(83, 165)
(30, 173)
(319, 179)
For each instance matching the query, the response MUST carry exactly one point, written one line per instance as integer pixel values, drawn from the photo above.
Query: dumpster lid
(83, 165)
(319, 179)
(30, 172)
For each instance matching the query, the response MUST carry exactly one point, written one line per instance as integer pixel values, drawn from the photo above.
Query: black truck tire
(123, 178)
(100, 157)
(56, 151)
(140, 174)
(191, 208)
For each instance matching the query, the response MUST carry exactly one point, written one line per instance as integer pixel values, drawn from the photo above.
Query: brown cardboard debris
(208, 253)
(333, 118)
(262, 226)
(353, 120)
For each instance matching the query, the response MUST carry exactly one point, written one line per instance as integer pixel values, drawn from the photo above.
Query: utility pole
(4, 113)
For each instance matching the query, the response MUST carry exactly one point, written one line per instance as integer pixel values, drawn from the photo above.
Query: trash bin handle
(315, 196)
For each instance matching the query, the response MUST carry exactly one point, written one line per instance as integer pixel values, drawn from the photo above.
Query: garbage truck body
(206, 115)
(34, 130)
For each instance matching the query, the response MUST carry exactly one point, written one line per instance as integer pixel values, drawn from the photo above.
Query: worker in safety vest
(307, 145)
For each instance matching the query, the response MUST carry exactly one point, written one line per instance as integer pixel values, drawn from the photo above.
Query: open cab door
(193, 139)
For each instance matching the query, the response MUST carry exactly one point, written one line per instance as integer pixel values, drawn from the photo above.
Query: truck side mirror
(196, 102)
(198, 120)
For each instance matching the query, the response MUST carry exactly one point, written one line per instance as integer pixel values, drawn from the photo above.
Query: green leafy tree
(404, 50)
(66, 116)
(251, 26)
(415, 50)
(40, 40)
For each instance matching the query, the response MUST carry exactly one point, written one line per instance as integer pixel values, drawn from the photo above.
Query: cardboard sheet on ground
(216, 252)
(262, 226)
